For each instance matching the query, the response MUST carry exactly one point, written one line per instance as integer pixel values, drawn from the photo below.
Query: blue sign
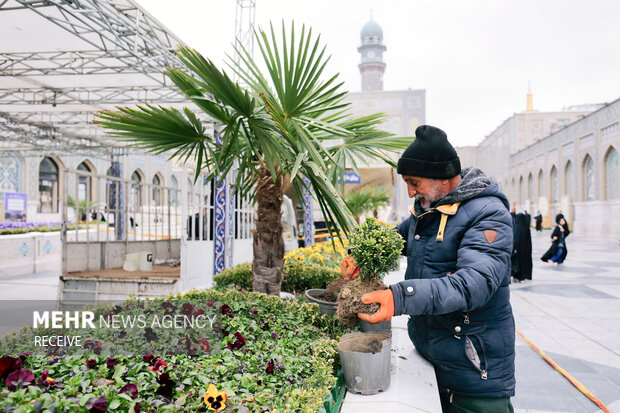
(351, 178)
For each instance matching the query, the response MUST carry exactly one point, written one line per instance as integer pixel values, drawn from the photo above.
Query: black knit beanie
(430, 155)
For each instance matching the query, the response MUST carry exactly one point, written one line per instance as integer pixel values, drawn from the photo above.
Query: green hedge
(238, 277)
(298, 277)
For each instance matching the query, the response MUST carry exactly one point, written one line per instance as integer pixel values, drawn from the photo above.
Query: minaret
(530, 104)
(372, 48)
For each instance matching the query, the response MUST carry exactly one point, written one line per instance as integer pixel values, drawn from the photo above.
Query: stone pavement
(37, 286)
(572, 313)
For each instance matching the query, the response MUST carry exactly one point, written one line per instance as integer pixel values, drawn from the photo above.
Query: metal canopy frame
(112, 53)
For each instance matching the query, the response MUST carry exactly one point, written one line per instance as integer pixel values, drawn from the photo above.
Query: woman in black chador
(557, 252)
(522, 248)
(538, 219)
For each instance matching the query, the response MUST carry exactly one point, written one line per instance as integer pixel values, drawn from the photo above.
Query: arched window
(520, 191)
(190, 191)
(612, 174)
(553, 181)
(587, 176)
(84, 183)
(157, 191)
(174, 195)
(513, 190)
(569, 180)
(48, 186)
(530, 187)
(540, 185)
(136, 189)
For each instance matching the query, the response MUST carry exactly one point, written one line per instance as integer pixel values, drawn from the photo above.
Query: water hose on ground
(564, 373)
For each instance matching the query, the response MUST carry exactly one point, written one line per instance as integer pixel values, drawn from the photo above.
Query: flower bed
(268, 354)
(327, 254)
(10, 228)
(13, 228)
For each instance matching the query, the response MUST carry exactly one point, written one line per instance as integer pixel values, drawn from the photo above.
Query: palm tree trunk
(268, 242)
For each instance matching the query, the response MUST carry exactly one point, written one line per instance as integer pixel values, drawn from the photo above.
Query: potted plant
(326, 298)
(365, 356)
(376, 248)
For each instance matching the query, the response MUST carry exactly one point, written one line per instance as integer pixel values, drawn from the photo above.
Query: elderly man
(458, 245)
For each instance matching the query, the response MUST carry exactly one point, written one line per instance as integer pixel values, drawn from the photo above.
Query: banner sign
(15, 206)
(351, 178)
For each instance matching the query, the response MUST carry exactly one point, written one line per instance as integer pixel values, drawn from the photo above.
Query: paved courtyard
(571, 313)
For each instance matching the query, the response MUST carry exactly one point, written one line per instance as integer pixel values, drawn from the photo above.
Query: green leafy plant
(376, 248)
(298, 276)
(83, 204)
(287, 125)
(365, 199)
(238, 277)
(273, 354)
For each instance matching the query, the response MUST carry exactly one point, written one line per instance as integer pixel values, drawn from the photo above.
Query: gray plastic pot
(325, 307)
(364, 372)
(367, 327)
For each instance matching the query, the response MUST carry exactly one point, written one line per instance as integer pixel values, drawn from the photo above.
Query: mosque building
(565, 161)
(405, 110)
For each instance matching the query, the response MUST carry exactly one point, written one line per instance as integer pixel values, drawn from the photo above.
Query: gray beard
(423, 201)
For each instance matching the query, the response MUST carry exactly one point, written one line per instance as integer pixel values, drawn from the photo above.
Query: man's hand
(385, 313)
(349, 269)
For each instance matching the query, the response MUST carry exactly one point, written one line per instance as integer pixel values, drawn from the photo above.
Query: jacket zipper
(415, 227)
(482, 370)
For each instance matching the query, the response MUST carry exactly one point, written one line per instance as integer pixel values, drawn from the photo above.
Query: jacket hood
(474, 183)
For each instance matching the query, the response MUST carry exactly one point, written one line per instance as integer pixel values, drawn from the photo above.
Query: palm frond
(289, 118)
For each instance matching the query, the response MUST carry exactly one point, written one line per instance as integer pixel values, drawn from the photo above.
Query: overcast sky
(474, 58)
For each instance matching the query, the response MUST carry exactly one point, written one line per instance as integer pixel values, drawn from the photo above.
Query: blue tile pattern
(308, 214)
(48, 247)
(24, 249)
(219, 249)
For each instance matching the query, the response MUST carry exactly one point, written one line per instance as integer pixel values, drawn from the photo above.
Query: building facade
(559, 161)
(40, 176)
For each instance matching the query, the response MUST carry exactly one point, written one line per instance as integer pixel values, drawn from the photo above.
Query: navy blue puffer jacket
(456, 288)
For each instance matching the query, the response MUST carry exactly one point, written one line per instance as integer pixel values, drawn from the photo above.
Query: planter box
(22, 254)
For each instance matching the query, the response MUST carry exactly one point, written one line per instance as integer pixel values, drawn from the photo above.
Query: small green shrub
(238, 277)
(376, 248)
(301, 277)
(298, 277)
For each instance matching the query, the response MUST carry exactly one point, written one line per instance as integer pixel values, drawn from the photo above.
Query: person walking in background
(528, 218)
(557, 252)
(538, 220)
(521, 258)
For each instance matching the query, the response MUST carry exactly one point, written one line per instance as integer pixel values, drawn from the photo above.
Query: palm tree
(364, 199)
(286, 124)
